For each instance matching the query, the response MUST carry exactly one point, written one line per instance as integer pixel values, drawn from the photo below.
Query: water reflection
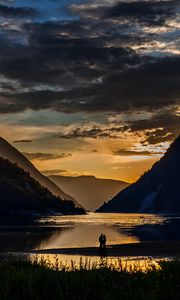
(82, 235)
(83, 231)
(118, 219)
(169, 230)
(24, 239)
(76, 262)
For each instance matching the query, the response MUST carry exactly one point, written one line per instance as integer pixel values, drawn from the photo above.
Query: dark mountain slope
(7, 151)
(157, 191)
(19, 192)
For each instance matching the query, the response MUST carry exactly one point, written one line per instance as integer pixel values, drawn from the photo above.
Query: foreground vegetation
(31, 280)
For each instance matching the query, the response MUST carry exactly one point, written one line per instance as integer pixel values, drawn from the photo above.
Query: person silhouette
(102, 241)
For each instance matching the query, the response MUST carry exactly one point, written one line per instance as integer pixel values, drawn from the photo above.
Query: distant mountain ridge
(90, 191)
(20, 193)
(7, 151)
(157, 191)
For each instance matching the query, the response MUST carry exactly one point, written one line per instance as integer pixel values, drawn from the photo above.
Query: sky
(90, 87)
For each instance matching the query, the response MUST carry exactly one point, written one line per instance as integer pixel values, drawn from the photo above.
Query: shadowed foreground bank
(25, 280)
(156, 248)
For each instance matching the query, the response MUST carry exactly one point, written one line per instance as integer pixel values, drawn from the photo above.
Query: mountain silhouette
(89, 191)
(157, 191)
(20, 193)
(7, 151)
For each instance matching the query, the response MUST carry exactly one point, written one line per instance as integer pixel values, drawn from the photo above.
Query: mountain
(20, 193)
(9, 152)
(157, 191)
(90, 191)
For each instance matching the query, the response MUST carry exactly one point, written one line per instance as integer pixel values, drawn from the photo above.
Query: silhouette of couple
(102, 241)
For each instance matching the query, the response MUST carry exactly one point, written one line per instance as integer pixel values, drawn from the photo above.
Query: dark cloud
(22, 141)
(94, 133)
(148, 87)
(164, 116)
(164, 126)
(17, 12)
(94, 77)
(54, 59)
(159, 136)
(90, 65)
(46, 156)
(80, 133)
(148, 12)
(125, 152)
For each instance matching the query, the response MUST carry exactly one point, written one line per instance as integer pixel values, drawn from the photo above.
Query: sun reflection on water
(75, 262)
(84, 231)
(99, 218)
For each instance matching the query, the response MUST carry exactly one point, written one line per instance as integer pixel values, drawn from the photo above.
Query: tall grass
(35, 280)
(88, 263)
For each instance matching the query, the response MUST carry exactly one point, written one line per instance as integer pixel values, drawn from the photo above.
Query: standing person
(104, 241)
(101, 239)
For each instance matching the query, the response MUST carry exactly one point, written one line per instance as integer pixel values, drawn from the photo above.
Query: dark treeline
(19, 192)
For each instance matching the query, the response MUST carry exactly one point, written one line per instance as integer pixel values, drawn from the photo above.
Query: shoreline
(155, 248)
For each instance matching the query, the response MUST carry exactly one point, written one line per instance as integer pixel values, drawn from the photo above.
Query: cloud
(116, 57)
(80, 133)
(125, 152)
(60, 172)
(148, 87)
(160, 136)
(22, 141)
(163, 126)
(92, 132)
(148, 12)
(54, 172)
(46, 156)
(17, 12)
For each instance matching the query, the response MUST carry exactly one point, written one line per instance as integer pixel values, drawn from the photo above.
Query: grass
(34, 280)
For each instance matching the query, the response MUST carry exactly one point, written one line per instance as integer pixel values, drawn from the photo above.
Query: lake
(84, 230)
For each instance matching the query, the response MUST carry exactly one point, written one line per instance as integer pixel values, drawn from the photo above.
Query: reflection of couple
(102, 241)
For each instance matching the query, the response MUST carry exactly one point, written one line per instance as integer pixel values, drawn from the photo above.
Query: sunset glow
(90, 87)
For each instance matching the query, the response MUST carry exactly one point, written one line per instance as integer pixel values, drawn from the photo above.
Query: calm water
(83, 231)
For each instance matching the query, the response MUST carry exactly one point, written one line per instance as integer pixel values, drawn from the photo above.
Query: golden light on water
(76, 262)
(84, 231)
